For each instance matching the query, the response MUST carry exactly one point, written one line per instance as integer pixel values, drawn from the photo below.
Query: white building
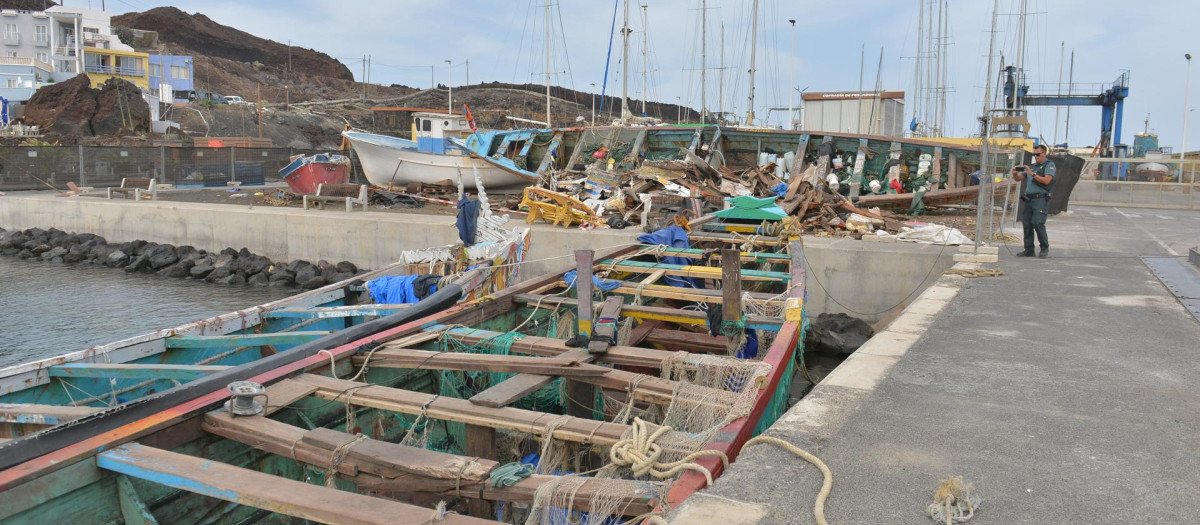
(858, 112)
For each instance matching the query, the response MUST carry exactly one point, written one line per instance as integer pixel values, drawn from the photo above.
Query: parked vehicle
(234, 99)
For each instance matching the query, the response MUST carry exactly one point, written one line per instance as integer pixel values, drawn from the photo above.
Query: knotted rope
(953, 502)
(339, 455)
(640, 452)
(991, 272)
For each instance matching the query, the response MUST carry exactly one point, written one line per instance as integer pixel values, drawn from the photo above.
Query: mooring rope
(826, 485)
(641, 453)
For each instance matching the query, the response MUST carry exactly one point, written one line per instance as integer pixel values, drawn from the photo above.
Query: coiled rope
(641, 453)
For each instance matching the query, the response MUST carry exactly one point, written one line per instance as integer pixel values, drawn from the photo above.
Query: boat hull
(390, 162)
(308, 177)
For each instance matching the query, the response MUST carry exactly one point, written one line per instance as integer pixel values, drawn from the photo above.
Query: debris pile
(71, 110)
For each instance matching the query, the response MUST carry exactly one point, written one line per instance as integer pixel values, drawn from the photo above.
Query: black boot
(1026, 253)
(1044, 253)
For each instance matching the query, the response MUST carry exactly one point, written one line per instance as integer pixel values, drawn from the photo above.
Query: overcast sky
(504, 41)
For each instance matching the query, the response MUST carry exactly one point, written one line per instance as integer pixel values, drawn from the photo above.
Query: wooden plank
(673, 315)
(731, 286)
(606, 335)
(639, 332)
(330, 312)
(690, 341)
(546, 346)
(583, 288)
(481, 443)
(547, 163)
(521, 385)
(284, 393)
(953, 177)
(212, 341)
(31, 414)
(461, 410)
(684, 294)
(701, 272)
(133, 510)
(517, 364)
(264, 491)
(937, 168)
(798, 161)
(696, 253)
(134, 371)
(737, 240)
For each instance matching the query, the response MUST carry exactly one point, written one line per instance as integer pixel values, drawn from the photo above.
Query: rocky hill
(27, 5)
(202, 36)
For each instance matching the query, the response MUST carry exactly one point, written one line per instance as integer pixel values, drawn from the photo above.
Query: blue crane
(1111, 100)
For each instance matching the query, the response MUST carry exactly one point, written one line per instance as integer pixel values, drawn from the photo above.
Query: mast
(703, 57)
(549, 124)
(945, 61)
(985, 168)
(625, 114)
(1070, 91)
(862, 64)
(721, 78)
(1020, 58)
(645, 56)
(929, 52)
(753, 48)
(792, 78)
(1062, 51)
(937, 75)
(916, 97)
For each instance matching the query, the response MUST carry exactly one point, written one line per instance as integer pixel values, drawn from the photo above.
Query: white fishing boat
(393, 162)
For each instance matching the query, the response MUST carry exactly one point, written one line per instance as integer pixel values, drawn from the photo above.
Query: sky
(503, 40)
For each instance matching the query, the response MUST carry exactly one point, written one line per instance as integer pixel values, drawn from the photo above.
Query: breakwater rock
(229, 266)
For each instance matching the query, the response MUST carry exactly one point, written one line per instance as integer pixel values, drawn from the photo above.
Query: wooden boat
(304, 174)
(393, 162)
(421, 421)
(45, 393)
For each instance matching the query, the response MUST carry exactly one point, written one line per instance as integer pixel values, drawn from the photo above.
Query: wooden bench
(350, 193)
(137, 187)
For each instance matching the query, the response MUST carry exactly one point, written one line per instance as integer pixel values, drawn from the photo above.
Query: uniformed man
(1037, 200)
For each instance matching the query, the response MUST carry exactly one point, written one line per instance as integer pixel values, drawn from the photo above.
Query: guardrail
(110, 70)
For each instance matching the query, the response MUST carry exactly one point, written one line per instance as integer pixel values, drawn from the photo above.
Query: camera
(1021, 169)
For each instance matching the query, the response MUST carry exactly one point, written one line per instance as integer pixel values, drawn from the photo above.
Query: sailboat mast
(703, 57)
(945, 59)
(753, 48)
(937, 75)
(1020, 58)
(1062, 53)
(916, 111)
(645, 55)
(549, 124)
(721, 78)
(625, 114)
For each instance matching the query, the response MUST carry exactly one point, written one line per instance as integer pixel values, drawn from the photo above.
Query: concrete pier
(1065, 391)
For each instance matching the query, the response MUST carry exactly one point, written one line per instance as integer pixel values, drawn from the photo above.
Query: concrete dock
(1065, 391)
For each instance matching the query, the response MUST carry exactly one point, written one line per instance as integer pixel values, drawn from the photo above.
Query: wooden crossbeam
(265, 491)
(31, 414)
(383, 466)
(737, 239)
(516, 364)
(700, 272)
(134, 371)
(521, 385)
(691, 341)
(547, 346)
(697, 253)
(213, 341)
(377, 310)
(673, 315)
(696, 295)
(731, 286)
(460, 410)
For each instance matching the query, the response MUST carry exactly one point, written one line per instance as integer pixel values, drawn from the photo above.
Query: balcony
(41, 41)
(64, 51)
(12, 39)
(119, 71)
(25, 61)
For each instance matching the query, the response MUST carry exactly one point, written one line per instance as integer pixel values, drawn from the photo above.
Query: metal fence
(1115, 182)
(38, 167)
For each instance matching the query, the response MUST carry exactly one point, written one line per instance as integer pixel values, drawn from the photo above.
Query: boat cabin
(431, 130)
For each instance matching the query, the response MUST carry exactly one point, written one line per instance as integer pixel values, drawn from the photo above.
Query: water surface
(47, 309)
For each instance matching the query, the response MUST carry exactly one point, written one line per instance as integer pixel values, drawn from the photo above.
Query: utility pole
(753, 48)
(363, 98)
(467, 64)
(1062, 51)
(259, 110)
(449, 87)
(287, 84)
(432, 82)
(593, 84)
(549, 123)
(792, 77)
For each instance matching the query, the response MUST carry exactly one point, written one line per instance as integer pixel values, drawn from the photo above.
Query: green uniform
(1037, 206)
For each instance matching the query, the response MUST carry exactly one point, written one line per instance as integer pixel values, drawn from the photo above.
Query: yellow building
(102, 64)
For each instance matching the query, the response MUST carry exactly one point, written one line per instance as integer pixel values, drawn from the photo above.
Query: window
(10, 32)
(155, 70)
(11, 54)
(425, 125)
(43, 57)
(90, 30)
(13, 82)
(41, 35)
(180, 72)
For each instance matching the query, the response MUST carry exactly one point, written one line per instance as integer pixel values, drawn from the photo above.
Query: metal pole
(985, 175)
(1070, 91)
(232, 167)
(1187, 87)
(646, 58)
(1062, 51)
(721, 79)
(449, 88)
(703, 60)
(593, 84)
(753, 49)
(792, 78)
(549, 124)
(624, 64)
(82, 178)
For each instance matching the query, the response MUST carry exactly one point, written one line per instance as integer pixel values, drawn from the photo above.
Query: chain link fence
(1166, 184)
(43, 167)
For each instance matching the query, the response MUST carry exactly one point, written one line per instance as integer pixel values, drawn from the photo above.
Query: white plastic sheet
(933, 234)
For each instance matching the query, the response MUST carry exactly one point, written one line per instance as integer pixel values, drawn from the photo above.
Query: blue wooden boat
(428, 415)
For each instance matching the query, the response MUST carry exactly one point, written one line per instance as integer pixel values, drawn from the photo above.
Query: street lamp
(678, 110)
(1186, 88)
(450, 97)
(593, 84)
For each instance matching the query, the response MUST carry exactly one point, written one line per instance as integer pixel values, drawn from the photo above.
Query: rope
(510, 474)
(641, 453)
(826, 486)
(990, 272)
(332, 364)
(339, 455)
(439, 514)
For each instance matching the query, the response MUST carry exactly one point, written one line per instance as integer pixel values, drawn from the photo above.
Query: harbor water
(48, 309)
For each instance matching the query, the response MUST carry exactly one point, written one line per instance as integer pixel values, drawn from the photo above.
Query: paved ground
(1066, 391)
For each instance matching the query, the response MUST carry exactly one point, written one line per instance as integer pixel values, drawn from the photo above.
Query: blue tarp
(601, 284)
(675, 237)
(393, 289)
